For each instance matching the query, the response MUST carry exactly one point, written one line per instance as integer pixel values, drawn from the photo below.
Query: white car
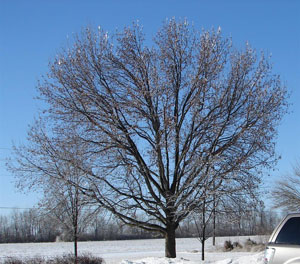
(284, 244)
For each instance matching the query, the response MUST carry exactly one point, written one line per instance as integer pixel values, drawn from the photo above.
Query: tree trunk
(214, 225)
(214, 215)
(75, 247)
(203, 229)
(170, 242)
(203, 248)
(75, 238)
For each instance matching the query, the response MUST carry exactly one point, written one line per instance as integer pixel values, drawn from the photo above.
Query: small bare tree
(202, 217)
(227, 201)
(65, 204)
(286, 192)
(51, 165)
(164, 124)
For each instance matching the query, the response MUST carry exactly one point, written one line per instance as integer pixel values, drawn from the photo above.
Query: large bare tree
(165, 126)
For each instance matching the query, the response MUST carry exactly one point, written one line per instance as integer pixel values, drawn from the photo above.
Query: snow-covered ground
(141, 251)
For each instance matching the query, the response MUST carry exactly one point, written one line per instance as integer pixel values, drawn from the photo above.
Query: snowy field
(141, 251)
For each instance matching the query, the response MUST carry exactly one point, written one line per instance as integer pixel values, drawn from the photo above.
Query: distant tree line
(27, 226)
(252, 222)
(35, 226)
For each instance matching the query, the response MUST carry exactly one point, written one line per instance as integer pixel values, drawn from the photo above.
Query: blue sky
(31, 33)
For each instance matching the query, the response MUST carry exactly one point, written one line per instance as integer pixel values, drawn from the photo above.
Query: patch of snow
(140, 251)
(253, 259)
(154, 260)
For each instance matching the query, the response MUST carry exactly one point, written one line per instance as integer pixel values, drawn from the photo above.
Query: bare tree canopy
(167, 126)
(286, 192)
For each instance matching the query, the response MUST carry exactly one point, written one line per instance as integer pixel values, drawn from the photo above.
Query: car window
(290, 232)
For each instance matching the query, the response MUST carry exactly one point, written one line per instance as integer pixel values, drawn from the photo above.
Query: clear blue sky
(31, 32)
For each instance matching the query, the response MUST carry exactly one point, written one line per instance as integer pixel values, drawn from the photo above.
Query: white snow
(141, 251)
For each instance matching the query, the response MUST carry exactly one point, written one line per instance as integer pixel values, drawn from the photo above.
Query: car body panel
(282, 252)
(285, 252)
